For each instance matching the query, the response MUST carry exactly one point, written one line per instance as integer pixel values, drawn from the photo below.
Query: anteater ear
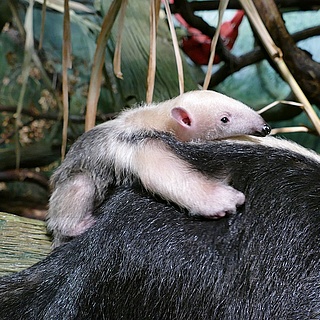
(182, 116)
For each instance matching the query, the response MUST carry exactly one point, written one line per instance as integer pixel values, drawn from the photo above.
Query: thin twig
(117, 51)
(28, 49)
(24, 174)
(43, 20)
(175, 47)
(154, 16)
(52, 116)
(275, 103)
(222, 7)
(98, 61)
(17, 19)
(291, 130)
(66, 64)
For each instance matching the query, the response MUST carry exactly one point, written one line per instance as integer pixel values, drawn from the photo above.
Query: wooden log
(23, 242)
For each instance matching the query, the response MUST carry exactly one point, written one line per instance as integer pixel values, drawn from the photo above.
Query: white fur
(165, 174)
(82, 179)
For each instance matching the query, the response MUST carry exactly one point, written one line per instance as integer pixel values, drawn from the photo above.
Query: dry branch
(24, 175)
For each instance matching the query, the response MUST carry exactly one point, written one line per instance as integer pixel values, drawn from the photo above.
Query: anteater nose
(266, 129)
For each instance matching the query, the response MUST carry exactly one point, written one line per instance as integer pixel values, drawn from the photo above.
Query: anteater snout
(265, 130)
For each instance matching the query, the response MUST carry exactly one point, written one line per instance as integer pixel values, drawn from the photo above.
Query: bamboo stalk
(66, 64)
(117, 51)
(222, 8)
(290, 130)
(154, 16)
(175, 47)
(98, 61)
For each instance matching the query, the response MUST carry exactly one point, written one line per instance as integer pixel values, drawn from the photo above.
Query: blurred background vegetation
(32, 44)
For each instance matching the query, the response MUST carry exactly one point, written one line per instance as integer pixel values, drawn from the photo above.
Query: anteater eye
(225, 120)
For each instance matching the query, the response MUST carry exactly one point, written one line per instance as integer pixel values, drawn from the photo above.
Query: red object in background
(197, 46)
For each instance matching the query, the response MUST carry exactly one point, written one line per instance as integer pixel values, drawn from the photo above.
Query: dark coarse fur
(144, 259)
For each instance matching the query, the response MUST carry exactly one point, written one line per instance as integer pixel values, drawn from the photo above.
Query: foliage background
(26, 191)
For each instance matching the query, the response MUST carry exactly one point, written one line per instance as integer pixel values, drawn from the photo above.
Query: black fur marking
(146, 260)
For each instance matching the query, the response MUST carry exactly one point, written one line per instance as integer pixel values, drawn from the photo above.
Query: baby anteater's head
(209, 115)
